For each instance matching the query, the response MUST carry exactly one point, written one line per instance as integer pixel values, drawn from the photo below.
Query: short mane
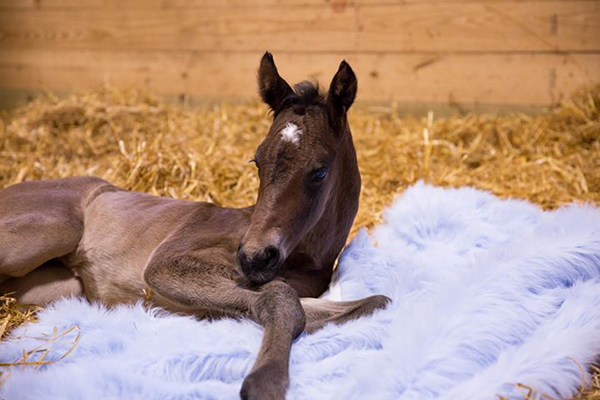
(306, 94)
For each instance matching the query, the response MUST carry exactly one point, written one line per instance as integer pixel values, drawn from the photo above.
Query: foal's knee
(279, 304)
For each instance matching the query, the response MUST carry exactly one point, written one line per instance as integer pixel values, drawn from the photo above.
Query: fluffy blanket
(490, 297)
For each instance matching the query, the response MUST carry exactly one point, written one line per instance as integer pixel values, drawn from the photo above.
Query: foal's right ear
(342, 90)
(272, 87)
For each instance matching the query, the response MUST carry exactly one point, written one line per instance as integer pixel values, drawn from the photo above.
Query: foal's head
(300, 164)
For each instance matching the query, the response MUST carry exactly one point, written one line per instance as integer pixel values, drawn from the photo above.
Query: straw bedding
(140, 142)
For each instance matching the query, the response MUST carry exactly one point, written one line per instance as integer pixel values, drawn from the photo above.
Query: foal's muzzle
(260, 266)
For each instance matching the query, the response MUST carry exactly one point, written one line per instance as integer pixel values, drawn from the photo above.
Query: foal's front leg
(202, 281)
(279, 311)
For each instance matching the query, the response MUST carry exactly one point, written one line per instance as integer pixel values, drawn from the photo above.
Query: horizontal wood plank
(338, 5)
(482, 27)
(455, 79)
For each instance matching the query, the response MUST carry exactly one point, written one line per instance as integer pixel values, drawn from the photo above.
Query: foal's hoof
(368, 306)
(377, 302)
(269, 382)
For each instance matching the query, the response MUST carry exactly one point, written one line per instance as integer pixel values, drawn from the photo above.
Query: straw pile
(140, 142)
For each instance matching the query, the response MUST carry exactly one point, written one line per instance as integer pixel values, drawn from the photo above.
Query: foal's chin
(257, 278)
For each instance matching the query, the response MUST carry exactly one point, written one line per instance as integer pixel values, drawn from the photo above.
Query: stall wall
(457, 53)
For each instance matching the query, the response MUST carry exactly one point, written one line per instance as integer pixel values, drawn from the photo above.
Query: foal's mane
(306, 94)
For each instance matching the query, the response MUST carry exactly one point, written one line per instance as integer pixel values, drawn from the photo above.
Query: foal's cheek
(317, 196)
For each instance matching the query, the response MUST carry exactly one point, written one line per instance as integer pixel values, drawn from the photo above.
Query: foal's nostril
(271, 256)
(242, 259)
(261, 266)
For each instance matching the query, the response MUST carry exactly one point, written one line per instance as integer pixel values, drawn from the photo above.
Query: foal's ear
(342, 91)
(273, 89)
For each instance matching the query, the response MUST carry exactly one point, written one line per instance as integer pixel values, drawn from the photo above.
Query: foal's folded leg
(196, 282)
(320, 312)
(279, 311)
(43, 285)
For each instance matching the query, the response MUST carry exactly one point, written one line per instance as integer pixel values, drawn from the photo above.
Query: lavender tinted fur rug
(487, 293)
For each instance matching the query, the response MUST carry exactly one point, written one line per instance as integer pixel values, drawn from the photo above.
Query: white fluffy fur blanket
(486, 294)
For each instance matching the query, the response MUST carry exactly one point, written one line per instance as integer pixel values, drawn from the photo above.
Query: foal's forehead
(291, 133)
(301, 129)
(296, 140)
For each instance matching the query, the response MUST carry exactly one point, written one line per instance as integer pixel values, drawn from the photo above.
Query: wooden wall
(461, 53)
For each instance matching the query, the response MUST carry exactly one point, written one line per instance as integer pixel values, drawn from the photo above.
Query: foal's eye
(254, 161)
(319, 174)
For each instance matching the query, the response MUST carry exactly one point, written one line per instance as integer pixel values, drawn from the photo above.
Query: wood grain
(460, 53)
(448, 27)
(338, 5)
(456, 79)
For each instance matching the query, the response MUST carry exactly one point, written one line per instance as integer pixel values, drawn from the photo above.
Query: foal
(266, 262)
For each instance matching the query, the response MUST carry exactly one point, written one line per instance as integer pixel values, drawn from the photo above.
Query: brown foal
(266, 262)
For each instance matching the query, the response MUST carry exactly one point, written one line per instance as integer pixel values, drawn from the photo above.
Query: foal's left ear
(273, 88)
(342, 91)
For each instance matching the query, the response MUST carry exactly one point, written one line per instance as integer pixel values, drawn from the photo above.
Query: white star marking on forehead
(291, 133)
